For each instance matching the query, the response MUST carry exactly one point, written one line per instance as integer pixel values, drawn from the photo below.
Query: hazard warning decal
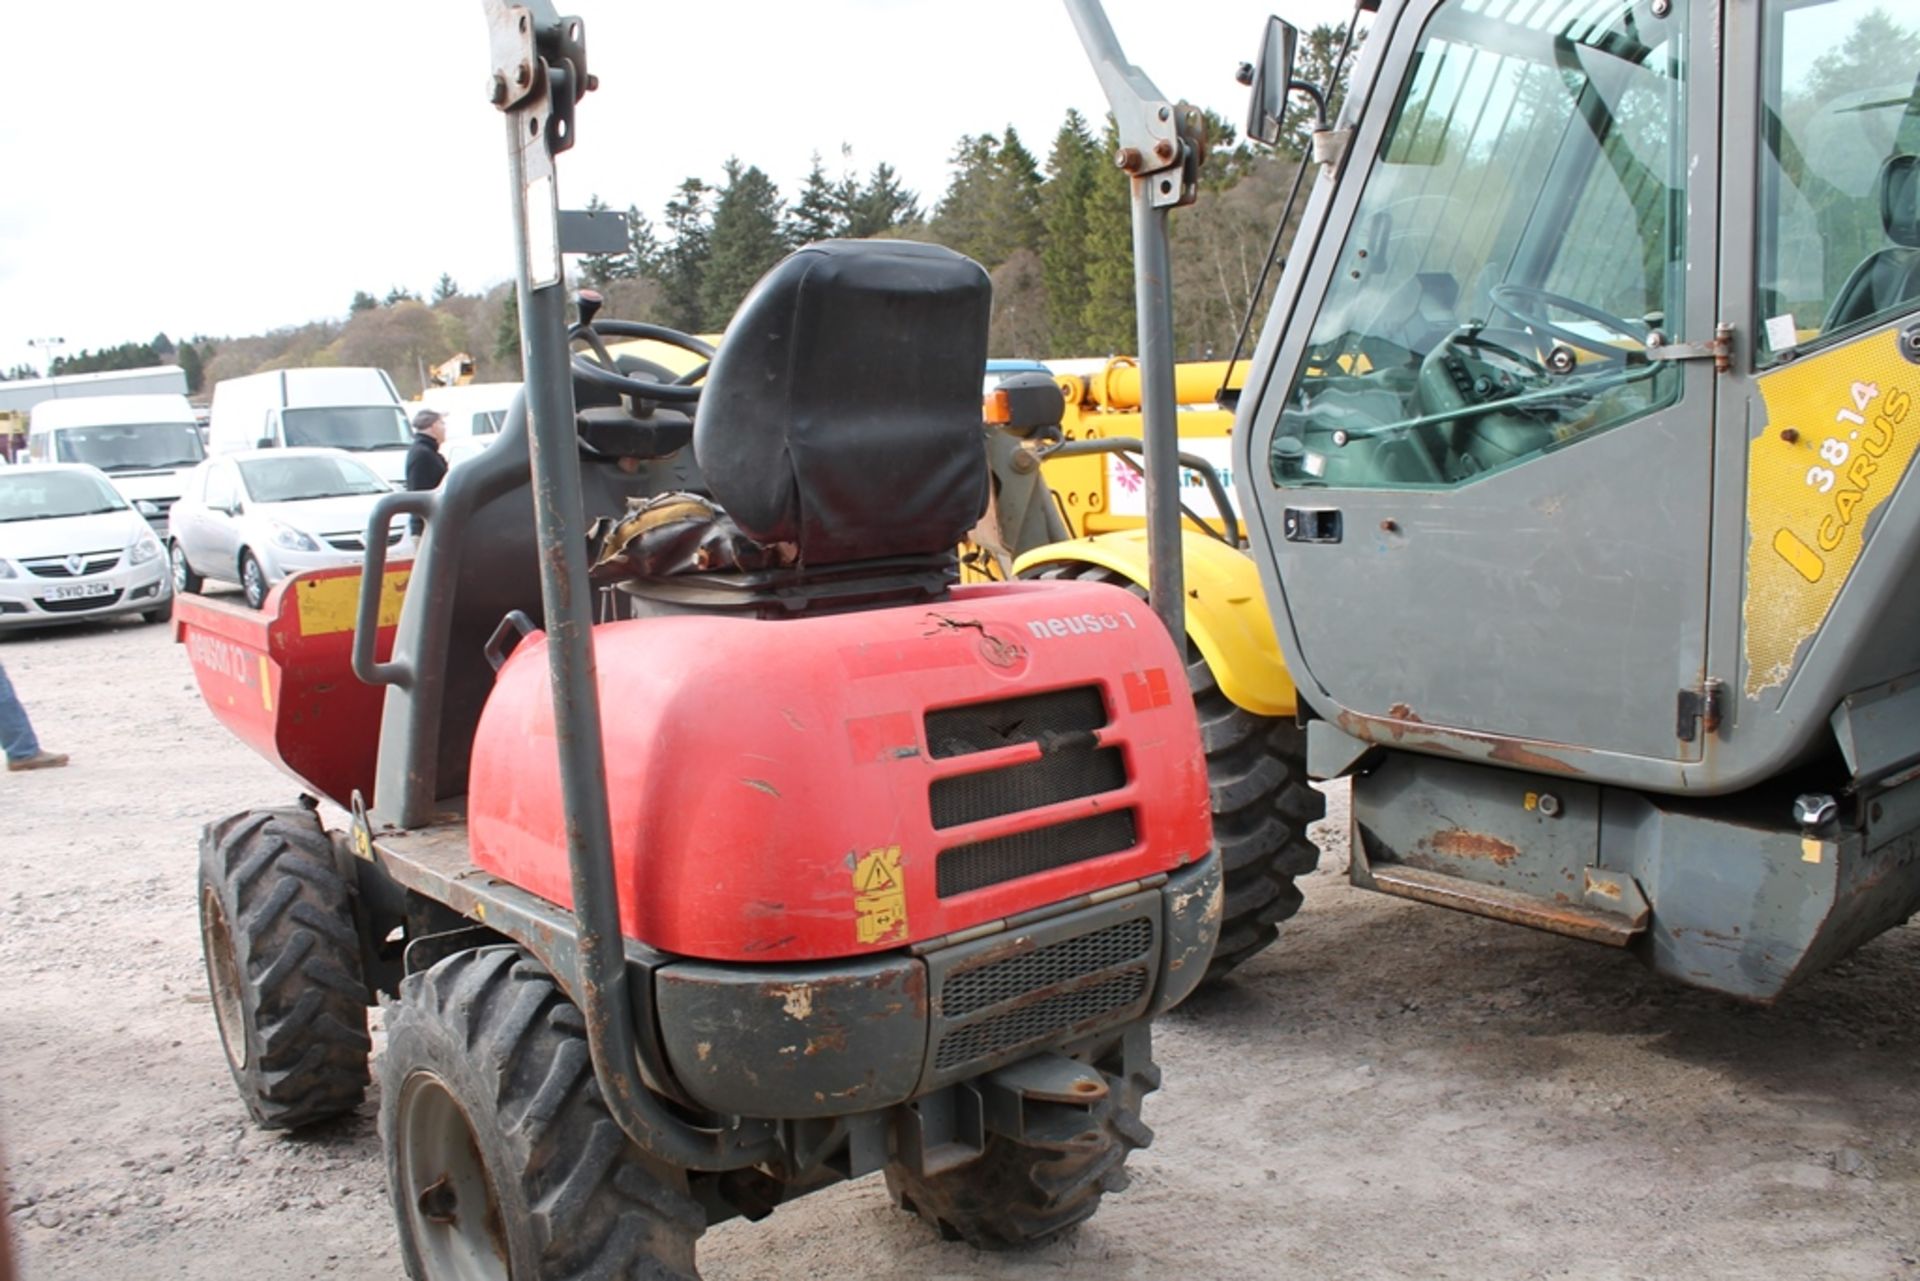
(879, 897)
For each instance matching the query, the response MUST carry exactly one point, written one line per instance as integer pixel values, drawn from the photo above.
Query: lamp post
(52, 346)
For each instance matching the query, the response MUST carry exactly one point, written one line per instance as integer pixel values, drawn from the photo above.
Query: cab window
(1520, 238)
(1839, 200)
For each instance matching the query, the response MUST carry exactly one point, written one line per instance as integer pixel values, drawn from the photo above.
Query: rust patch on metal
(1526, 758)
(830, 1040)
(1458, 842)
(1401, 712)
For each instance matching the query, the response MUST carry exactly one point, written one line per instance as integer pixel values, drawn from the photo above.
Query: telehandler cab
(1574, 459)
(810, 865)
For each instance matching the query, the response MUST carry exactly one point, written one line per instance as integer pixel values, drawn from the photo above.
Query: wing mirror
(1271, 79)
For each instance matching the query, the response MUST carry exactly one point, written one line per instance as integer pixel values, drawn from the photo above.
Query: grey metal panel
(1561, 602)
(1722, 893)
(1485, 825)
(1879, 729)
(795, 1041)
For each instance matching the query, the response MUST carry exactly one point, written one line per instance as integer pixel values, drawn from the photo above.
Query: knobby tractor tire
(501, 1158)
(283, 965)
(1021, 1193)
(1262, 803)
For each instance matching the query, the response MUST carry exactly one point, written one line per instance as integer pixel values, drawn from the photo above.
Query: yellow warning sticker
(1839, 433)
(879, 897)
(328, 606)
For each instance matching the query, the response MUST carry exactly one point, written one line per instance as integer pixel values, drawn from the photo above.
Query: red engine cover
(780, 793)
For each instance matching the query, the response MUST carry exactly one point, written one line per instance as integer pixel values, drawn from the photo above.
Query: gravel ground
(1395, 1091)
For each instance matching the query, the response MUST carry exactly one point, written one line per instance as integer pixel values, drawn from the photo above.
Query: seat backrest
(1888, 277)
(842, 414)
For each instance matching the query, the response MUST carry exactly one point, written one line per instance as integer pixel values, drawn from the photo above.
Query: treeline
(1054, 232)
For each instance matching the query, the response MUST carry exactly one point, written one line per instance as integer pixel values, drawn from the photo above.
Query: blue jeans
(16, 731)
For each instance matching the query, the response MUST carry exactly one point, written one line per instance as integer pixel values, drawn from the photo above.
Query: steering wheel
(604, 373)
(1530, 306)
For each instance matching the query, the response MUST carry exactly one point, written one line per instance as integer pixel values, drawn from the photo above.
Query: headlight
(146, 508)
(292, 539)
(143, 551)
(7, 571)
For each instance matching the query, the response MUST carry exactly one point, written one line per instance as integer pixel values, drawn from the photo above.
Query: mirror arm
(1312, 91)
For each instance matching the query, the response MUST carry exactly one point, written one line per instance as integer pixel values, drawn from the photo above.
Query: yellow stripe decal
(328, 605)
(1839, 433)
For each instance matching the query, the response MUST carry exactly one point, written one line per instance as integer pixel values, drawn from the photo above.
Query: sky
(232, 166)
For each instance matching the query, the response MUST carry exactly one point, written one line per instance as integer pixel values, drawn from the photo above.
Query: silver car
(71, 549)
(261, 515)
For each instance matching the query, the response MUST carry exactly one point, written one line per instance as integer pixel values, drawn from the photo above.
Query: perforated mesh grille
(981, 727)
(1040, 1021)
(1057, 776)
(1003, 858)
(1062, 962)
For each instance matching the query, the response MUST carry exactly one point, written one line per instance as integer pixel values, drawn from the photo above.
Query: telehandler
(1574, 461)
(809, 865)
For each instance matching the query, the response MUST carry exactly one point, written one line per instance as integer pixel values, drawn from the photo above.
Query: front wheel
(163, 613)
(253, 581)
(184, 579)
(502, 1162)
(283, 965)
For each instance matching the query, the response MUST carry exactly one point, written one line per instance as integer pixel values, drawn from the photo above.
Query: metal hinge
(1702, 708)
(1719, 351)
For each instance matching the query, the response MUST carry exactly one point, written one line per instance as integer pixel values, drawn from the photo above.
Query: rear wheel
(1029, 1191)
(283, 966)
(1261, 801)
(253, 581)
(501, 1159)
(184, 579)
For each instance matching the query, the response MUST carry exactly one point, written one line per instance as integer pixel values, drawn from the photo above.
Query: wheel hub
(454, 1216)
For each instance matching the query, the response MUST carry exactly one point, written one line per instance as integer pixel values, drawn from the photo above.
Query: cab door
(1483, 483)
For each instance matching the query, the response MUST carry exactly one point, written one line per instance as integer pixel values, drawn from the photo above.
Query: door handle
(1311, 524)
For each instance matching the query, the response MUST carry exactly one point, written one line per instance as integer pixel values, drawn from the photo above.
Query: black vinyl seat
(1888, 279)
(841, 418)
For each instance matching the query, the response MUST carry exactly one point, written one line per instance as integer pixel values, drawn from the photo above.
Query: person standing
(425, 466)
(16, 733)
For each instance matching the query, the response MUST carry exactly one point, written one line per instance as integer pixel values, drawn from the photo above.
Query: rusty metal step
(1615, 929)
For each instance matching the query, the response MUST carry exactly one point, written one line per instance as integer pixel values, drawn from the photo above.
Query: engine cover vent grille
(1040, 849)
(1035, 718)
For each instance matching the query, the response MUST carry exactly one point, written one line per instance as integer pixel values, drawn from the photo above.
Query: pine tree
(1108, 316)
(362, 301)
(193, 365)
(820, 211)
(991, 208)
(506, 340)
(881, 206)
(445, 289)
(399, 294)
(1073, 175)
(746, 240)
(683, 259)
(643, 247)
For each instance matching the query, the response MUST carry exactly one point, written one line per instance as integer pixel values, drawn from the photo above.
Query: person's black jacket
(425, 467)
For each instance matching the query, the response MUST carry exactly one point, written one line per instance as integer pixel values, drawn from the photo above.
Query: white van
(355, 409)
(145, 444)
